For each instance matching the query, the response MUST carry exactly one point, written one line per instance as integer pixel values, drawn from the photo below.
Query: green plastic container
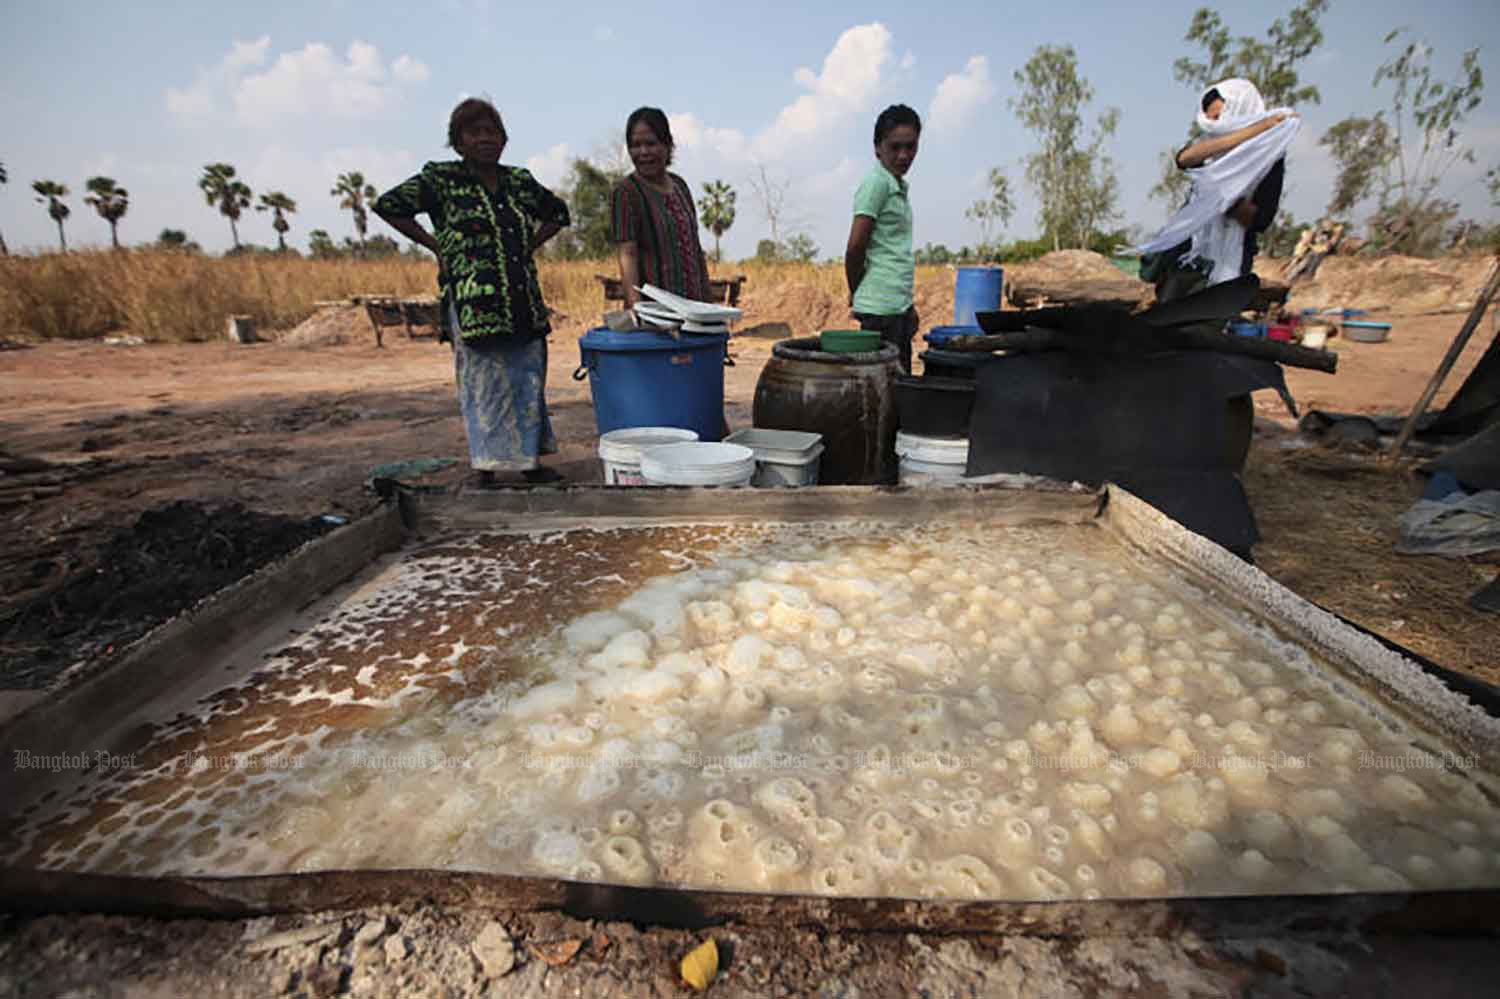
(849, 341)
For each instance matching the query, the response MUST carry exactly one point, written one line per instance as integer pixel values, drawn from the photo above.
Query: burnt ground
(90, 602)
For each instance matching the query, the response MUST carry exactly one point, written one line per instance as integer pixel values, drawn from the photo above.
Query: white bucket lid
(624, 446)
(698, 464)
(938, 450)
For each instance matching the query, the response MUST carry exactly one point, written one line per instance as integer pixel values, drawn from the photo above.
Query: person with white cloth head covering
(1237, 169)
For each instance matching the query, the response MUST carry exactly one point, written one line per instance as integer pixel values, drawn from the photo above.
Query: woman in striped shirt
(652, 217)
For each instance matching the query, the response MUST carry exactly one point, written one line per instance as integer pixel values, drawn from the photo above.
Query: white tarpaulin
(1225, 179)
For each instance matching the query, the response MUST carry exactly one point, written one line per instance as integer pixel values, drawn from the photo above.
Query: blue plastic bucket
(654, 380)
(1244, 327)
(938, 336)
(976, 289)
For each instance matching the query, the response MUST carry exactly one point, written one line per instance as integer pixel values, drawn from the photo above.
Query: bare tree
(771, 192)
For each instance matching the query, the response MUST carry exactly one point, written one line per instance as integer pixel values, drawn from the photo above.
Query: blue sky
(294, 93)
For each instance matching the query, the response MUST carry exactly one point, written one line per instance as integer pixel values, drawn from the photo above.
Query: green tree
(51, 193)
(222, 190)
(800, 247)
(279, 205)
(768, 251)
(1074, 179)
(4, 179)
(587, 191)
(716, 210)
(176, 240)
(111, 201)
(1400, 155)
(994, 212)
(355, 194)
(930, 254)
(321, 245)
(1269, 61)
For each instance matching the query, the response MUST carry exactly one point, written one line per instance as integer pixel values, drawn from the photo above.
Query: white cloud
(960, 94)
(200, 99)
(603, 33)
(408, 70)
(551, 166)
(692, 135)
(909, 59)
(850, 78)
(311, 80)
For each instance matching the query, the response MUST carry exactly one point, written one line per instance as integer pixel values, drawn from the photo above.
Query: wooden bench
(723, 290)
(410, 313)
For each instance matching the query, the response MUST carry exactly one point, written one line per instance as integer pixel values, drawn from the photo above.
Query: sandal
(542, 474)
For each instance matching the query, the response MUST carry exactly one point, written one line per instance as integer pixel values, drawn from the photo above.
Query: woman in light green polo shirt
(879, 263)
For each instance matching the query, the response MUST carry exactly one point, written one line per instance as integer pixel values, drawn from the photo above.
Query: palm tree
(224, 192)
(51, 193)
(717, 209)
(4, 179)
(111, 201)
(351, 187)
(280, 204)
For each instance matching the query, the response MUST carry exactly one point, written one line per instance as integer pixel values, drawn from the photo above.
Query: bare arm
(854, 254)
(630, 273)
(1202, 151)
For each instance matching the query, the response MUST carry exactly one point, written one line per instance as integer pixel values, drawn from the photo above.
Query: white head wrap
(1225, 179)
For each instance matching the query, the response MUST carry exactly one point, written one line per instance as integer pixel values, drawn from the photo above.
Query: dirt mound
(804, 308)
(1392, 285)
(330, 326)
(933, 297)
(173, 556)
(1068, 277)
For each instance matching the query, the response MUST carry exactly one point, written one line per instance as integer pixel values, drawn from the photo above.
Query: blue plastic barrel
(976, 289)
(939, 336)
(654, 380)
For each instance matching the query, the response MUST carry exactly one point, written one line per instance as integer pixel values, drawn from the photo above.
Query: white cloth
(1225, 179)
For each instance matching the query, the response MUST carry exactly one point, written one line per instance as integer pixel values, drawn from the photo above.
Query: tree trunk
(4, 250)
(114, 236)
(61, 239)
(234, 233)
(280, 242)
(718, 257)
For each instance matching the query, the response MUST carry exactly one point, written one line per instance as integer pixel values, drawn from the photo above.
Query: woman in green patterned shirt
(488, 221)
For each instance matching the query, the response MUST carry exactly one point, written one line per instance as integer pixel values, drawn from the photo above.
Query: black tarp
(1157, 425)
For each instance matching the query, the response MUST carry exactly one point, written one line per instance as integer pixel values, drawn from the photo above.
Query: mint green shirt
(890, 265)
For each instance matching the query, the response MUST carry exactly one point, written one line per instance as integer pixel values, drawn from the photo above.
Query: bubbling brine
(986, 712)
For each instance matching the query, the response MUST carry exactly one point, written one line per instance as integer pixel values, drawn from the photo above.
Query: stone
(396, 948)
(370, 932)
(494, 950)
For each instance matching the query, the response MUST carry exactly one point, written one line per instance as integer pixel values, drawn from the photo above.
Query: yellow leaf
(700, 967)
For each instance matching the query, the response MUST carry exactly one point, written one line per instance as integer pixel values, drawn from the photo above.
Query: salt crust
(995, 713)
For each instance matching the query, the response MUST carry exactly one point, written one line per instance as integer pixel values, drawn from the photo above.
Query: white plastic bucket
(620, 450)
(698, 464)
(931, 460)
(782, 457)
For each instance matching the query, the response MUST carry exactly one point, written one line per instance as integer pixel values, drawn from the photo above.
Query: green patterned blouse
(485, 241)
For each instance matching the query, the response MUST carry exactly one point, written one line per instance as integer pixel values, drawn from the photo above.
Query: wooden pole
(1491, 286)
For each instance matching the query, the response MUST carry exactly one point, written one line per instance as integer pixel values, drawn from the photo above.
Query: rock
(396, 948)
(370, 932)
(494, 950)
(292, 938)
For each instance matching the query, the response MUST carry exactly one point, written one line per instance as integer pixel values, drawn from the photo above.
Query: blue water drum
(976, 289)
(654, 380)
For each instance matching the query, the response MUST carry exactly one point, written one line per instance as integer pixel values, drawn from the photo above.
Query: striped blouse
(664, 228)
